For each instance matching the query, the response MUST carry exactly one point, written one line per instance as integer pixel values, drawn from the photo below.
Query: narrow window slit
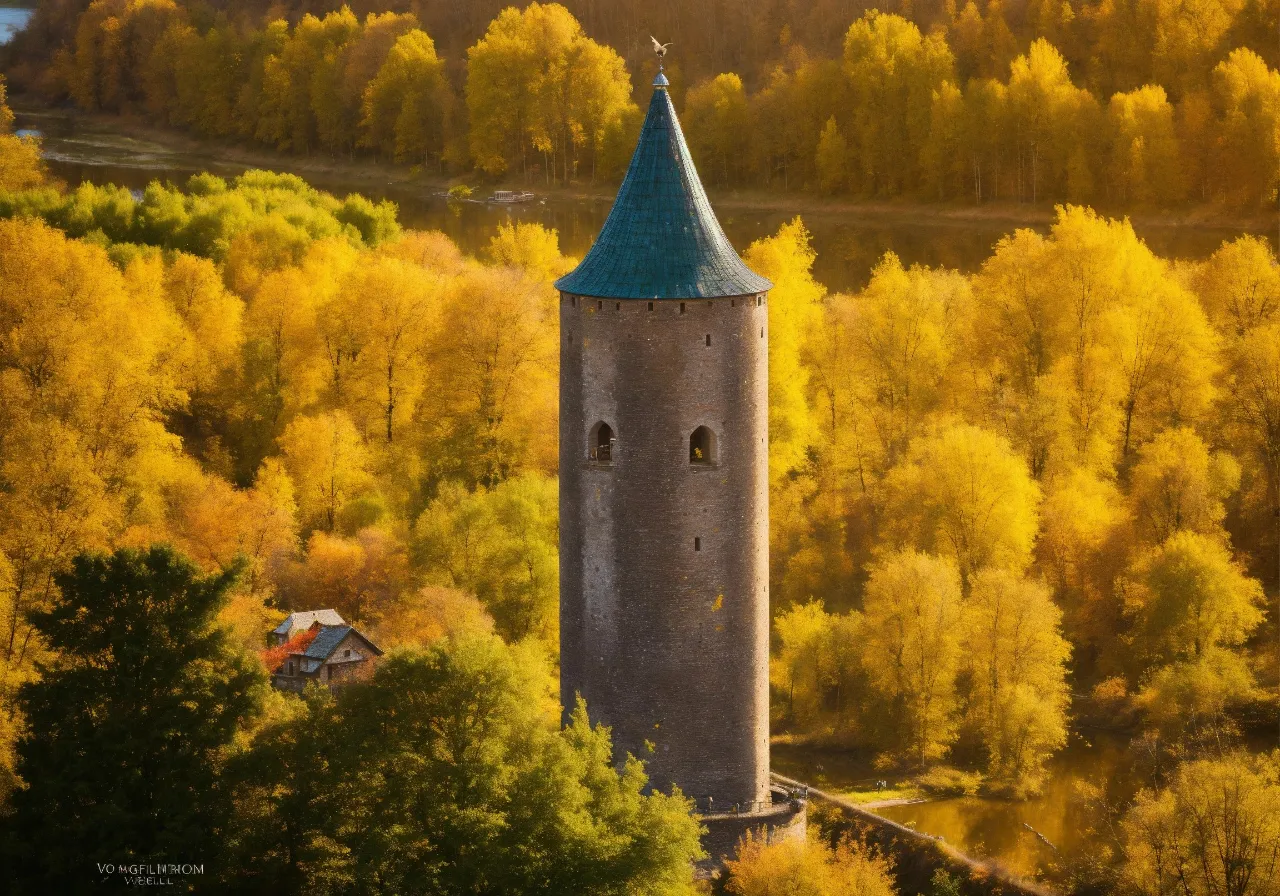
(600, 443)
(702, 446)
(697, 544)
(708, 339)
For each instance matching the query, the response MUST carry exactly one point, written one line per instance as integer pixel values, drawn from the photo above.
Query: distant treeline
(1175, 104)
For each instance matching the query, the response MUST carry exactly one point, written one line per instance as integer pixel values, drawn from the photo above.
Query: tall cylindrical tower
(664, 514)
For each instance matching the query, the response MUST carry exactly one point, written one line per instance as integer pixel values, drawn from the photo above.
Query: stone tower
(664, 514)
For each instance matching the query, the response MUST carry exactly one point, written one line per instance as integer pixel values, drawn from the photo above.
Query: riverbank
(224, 154)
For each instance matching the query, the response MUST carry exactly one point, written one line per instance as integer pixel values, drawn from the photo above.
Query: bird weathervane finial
(659, 50)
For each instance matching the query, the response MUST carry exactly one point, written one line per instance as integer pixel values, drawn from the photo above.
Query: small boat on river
(511, 196)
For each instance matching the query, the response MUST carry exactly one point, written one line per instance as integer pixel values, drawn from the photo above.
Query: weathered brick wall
(669, 644)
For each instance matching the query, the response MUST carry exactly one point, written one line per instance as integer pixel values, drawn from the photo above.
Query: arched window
(702, 446)
(600, 443)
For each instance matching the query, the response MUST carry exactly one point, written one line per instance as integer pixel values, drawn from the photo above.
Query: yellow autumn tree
(794, 311)
(808, 867)
(1177, 485)
(404, 108)
(716, 122)
(1018, 659)
(1212, 829)
(493, 363)
(911, 649)
(1189, 594)
(538, 86)
(1239, 285)
(328, 463)
(21, 167)
(963, 493)
(530, 246)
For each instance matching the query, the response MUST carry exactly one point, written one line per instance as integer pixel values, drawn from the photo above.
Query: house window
(702, 446)
(599, 306)
(682, 307)
(347, 654)
(600, 443)
(290, 667)
(617, 306)
(708, 339)
(328, 673)
(697, 544)
(651, 306)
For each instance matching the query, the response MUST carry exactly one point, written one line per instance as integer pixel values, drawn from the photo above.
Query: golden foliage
(805, 866)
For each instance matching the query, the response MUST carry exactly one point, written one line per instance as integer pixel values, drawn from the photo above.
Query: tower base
(785, 816)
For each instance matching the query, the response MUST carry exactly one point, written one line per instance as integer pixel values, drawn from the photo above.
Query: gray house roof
(303, 620)
(661, 239)
(329, 637)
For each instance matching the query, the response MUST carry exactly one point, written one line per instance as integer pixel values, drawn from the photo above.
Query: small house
(296, 623)
(329, 655)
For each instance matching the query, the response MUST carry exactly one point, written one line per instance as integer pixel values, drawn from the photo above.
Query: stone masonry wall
(668, 642)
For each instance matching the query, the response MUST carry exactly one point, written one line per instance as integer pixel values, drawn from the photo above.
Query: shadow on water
(848, 244)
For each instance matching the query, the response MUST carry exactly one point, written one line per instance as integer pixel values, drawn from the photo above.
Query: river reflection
(1067, 812)
(848, 244)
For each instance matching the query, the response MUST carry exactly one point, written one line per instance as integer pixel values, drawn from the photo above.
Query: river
(12, 20)
(1090, 772)
(848, 244)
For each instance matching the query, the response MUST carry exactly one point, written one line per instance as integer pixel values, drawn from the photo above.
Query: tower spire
(661, 239)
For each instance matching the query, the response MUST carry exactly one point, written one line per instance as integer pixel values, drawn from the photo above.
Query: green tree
(499, 544)
(447, 774)
(129, 723)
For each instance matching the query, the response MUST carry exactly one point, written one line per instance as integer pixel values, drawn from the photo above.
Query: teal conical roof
(661, 239)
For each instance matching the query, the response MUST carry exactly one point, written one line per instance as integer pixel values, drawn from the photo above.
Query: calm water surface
(12, 20)
(848, 244)
(1065, 813)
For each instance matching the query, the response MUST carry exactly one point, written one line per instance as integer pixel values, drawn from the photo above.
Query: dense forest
(1133, 104)
(1044, 494)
